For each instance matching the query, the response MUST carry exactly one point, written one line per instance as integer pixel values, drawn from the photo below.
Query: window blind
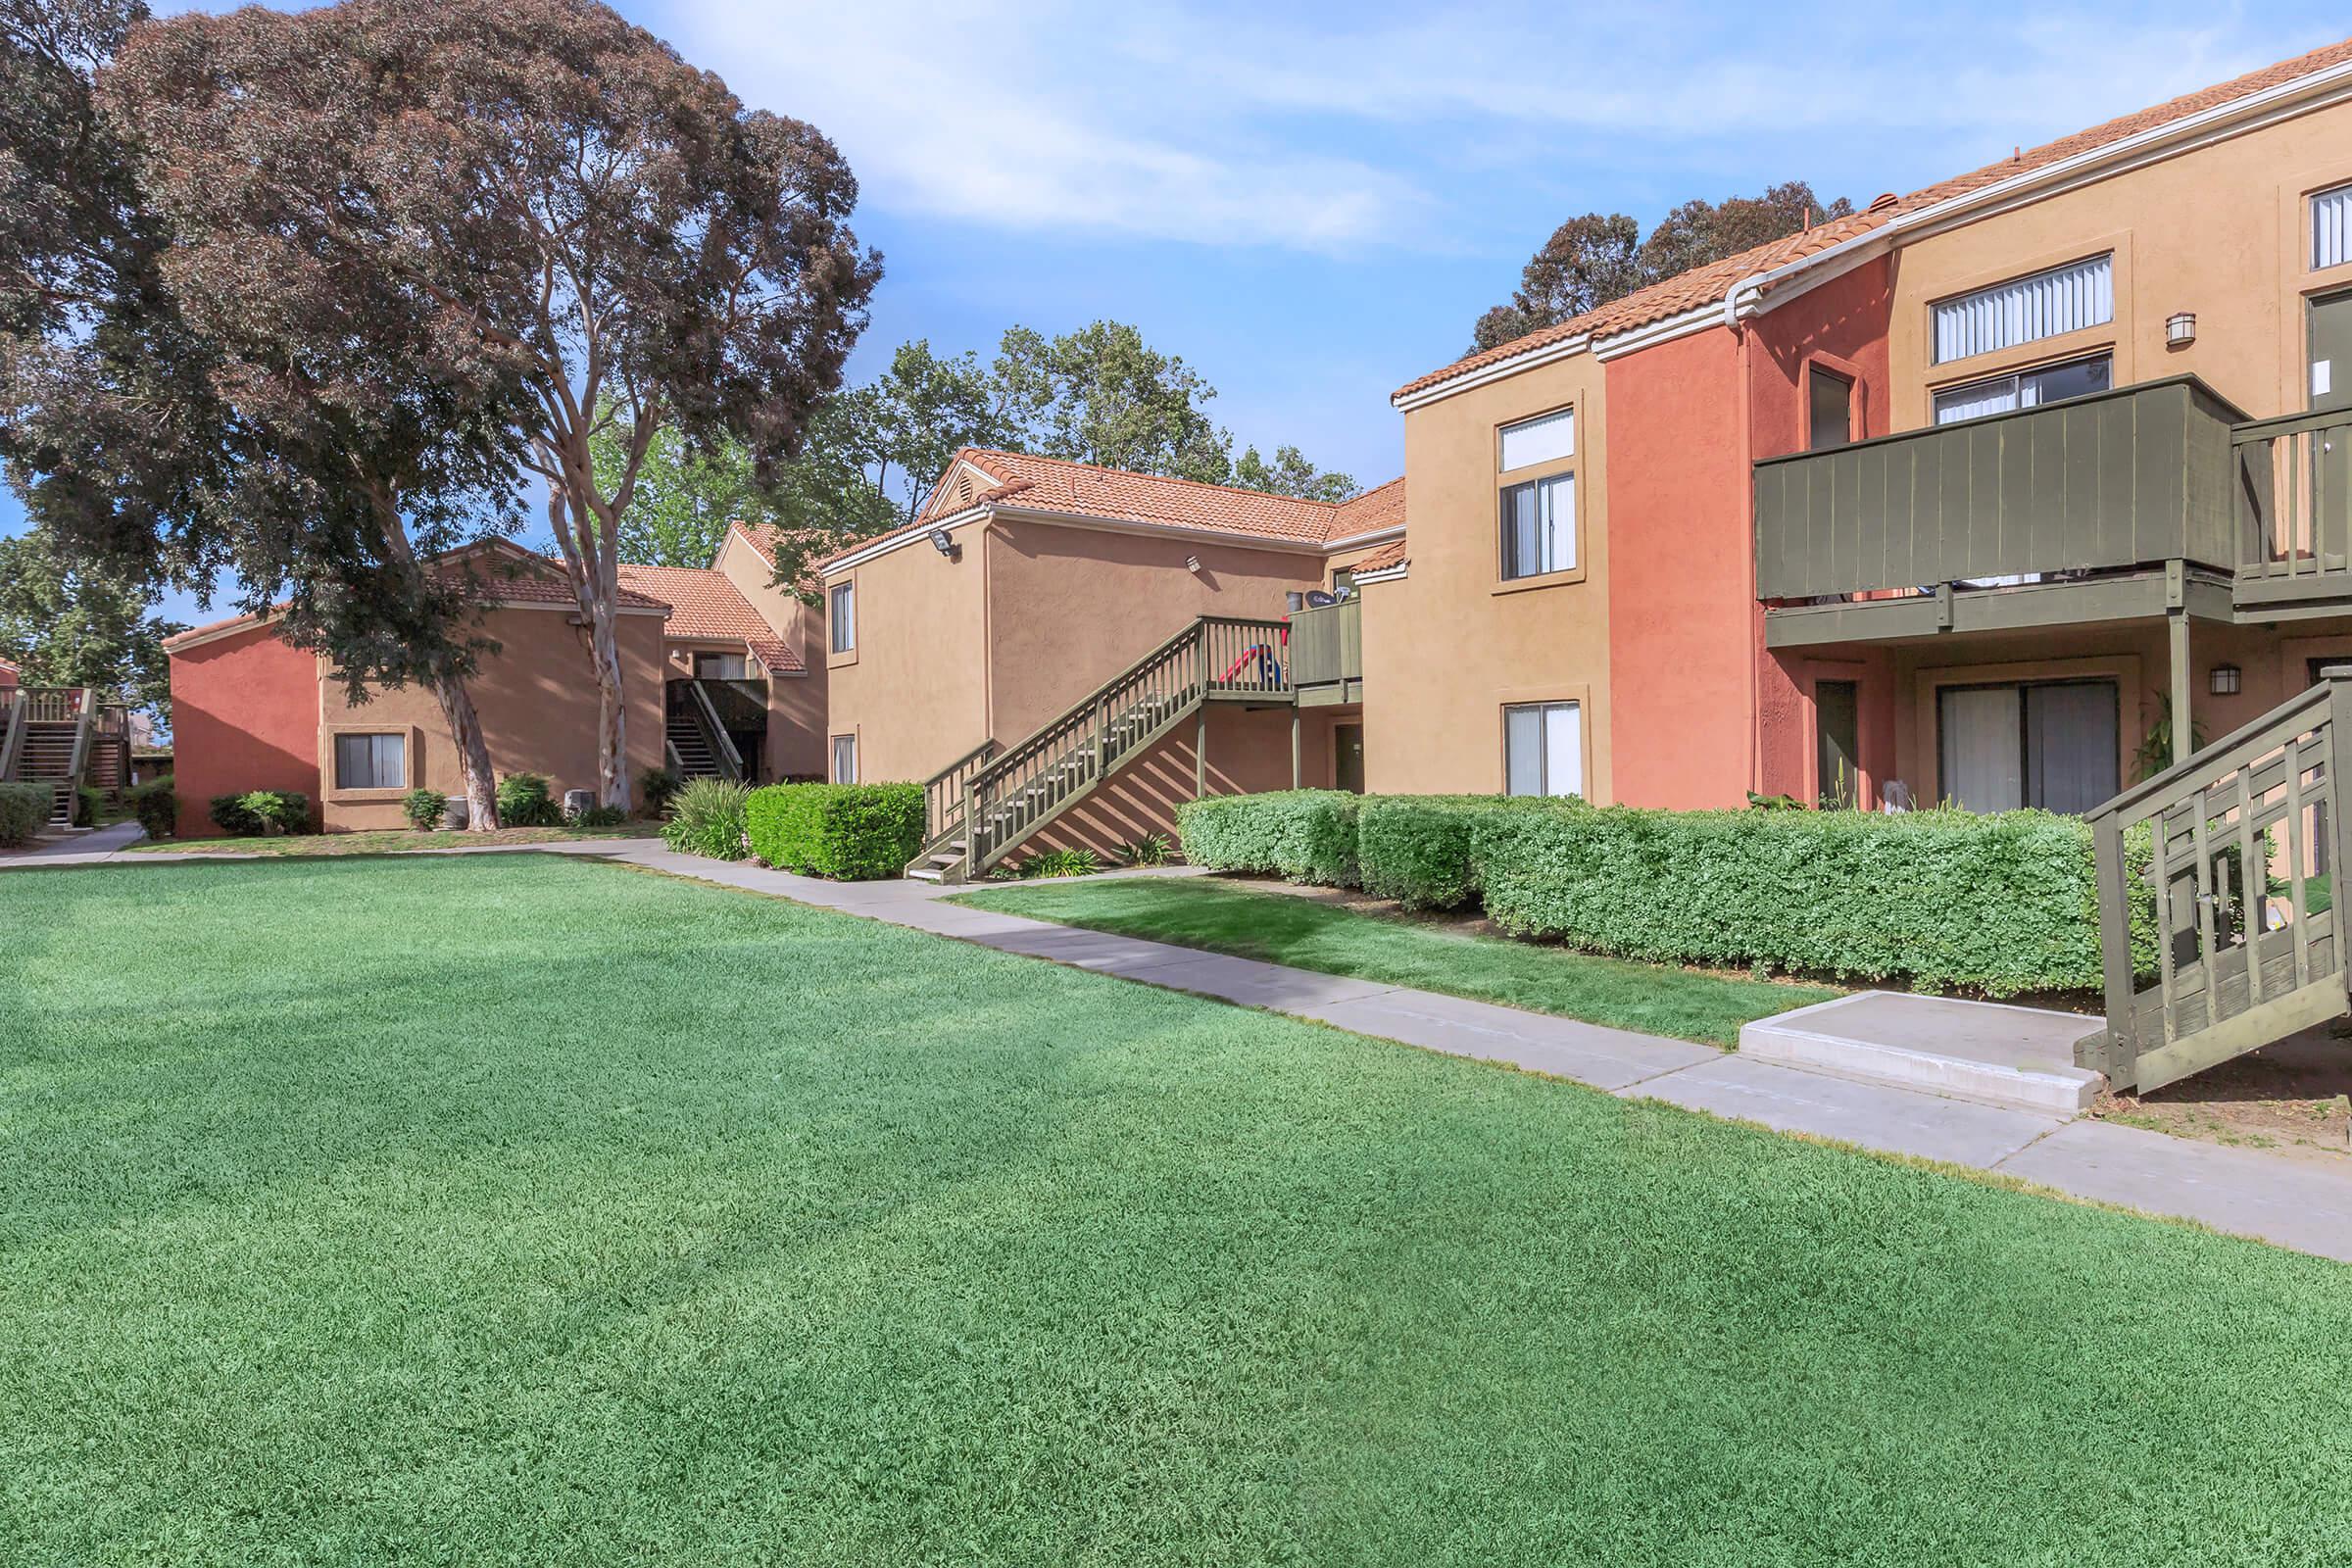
(2332, 227)
(2025, 309)
(1545, 440)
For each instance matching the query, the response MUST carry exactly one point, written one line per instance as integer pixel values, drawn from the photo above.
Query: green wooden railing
(1327, 647)
(943, 795)
(2219, 862)
(2294, 507)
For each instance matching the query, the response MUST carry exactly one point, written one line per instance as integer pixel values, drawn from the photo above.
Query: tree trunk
(611, 717)
(473, 753)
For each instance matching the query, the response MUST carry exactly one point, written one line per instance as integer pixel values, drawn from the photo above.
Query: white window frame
(400, 739)
(2015, 381)
(1546, 438)
(841, 618)
(1556, 543)
(2330, 228)
(844, 748)
(2050, 303)
(1566, 716)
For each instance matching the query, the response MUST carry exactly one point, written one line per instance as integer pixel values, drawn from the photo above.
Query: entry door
(1348, 757)
(1838, 762)
(2331, 353)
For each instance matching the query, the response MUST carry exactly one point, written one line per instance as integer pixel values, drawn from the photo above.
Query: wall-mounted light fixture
(2181, 329)
(2223, 680)
(1191, 563)
(943, 542)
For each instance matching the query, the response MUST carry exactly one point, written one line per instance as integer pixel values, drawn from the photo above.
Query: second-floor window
(2332, 227)
(841, 617)
(2027, 310)
(2026, 389)
(1538, 527)
(1550, 438)
(721, 666)
(1832, 408)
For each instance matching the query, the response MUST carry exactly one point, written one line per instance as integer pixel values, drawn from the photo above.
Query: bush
(24, 811)
(155, 805)
(1302, 835)
(1153, 848)
(599, 816)
(523, 801)
(425, 810)
(88, 803)
(1424, 851)
(1061, 862)
(850, 832)
(260, 812)
(230, 815)
(707, 819)
(658, 787)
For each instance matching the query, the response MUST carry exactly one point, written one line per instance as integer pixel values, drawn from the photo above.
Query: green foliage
(1153, 848)
(1302, 835)
(1424, 851)
(427, 810)
(155, 805)
(1061, 863)
(525, 801)
(599, 816)
(276, 810)
(24, 811)
(706, 819)
(71, 621)
(850, 832)
(88, 806)
(658, 787)
(2155, 751)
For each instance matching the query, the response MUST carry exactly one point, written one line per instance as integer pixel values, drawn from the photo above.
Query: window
(1538, 527)
(2026, 389)
(2051, 745)
(845, 758)
(2332, 227)
(1550, 439)
(841, 615)
(1832, 404)
(2026, 310)
(372, 761)
(721, 666)
(1543, 748)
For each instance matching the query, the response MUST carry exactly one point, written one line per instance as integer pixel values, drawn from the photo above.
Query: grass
(389, 841)
(1309, 932)
(507, 1209)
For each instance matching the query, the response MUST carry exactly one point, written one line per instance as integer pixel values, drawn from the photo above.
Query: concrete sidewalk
(2272, 1196)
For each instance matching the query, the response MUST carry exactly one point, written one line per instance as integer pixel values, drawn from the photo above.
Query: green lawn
(391, 841)
(514, 1210)
(1310, 934)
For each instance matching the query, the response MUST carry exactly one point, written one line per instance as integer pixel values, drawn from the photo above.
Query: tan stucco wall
(915, 690)
(1070, 606)
(1448, 646)
(796, 704)
(2221, 231)
(538, 706)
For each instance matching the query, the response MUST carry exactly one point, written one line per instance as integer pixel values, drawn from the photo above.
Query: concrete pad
(2246, 1192)
(1988, 1052)
(1251, 982)
(1873, 1115)
(1605, 1058)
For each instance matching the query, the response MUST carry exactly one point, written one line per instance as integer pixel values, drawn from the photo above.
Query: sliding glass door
(2047, 743)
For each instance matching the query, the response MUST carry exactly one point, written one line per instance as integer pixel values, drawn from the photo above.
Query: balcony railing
(2129, 479)
(1327, 650)
(2295, 507)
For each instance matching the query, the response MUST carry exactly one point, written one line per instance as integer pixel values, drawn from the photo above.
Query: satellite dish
(1317, 599)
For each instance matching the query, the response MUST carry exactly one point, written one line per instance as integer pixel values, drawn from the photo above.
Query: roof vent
(1884, 201)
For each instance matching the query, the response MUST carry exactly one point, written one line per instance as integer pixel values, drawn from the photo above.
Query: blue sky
(1312, 202)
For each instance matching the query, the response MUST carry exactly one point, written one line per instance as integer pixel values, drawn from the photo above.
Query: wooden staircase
(2218, 930)
(697, 741)
(983, 806)
(67, 738)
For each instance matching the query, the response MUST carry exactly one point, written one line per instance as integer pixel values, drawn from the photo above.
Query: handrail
(724, 748)
(2202, 759)
(941, 804)
(2253, 430)
(14, 741)
(84, 723)
(1022, 750)
(1986, 421)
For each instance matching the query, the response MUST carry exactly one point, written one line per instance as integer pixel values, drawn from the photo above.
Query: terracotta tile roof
(706, 607)
(1392, 554)
(1057, 484)
(1709, 284)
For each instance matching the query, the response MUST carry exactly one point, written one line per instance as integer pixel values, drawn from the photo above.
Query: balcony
(2127, 503)
(1327, 654)
(2294, 494)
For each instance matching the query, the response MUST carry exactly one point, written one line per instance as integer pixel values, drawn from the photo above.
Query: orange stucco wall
(244, 716)
(1448, 645)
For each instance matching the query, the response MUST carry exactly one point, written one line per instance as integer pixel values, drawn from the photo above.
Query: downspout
(1747, 510)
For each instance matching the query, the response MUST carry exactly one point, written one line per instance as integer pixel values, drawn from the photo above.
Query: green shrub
(658, 787)
(1061, 863)
(707, 819)
(24, 811)
(599, 816)
(88, 806)
(850, 832)
(1302, 835)
(425, 810)
(155, 805)
(1424, 850)
(1153, 848)
(230, 815)
(523, 801)
(276, 811)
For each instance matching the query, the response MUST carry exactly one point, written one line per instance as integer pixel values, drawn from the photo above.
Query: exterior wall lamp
(2181, 329)
(2223, 680)
(943, 542)
(1191, 563)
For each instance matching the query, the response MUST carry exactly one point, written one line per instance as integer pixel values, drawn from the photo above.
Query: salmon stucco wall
(244, 716)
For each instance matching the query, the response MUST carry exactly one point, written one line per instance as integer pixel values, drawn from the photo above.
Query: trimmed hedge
(850, 832)
(24, 811)
(2003, 904)
(1300, 835)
